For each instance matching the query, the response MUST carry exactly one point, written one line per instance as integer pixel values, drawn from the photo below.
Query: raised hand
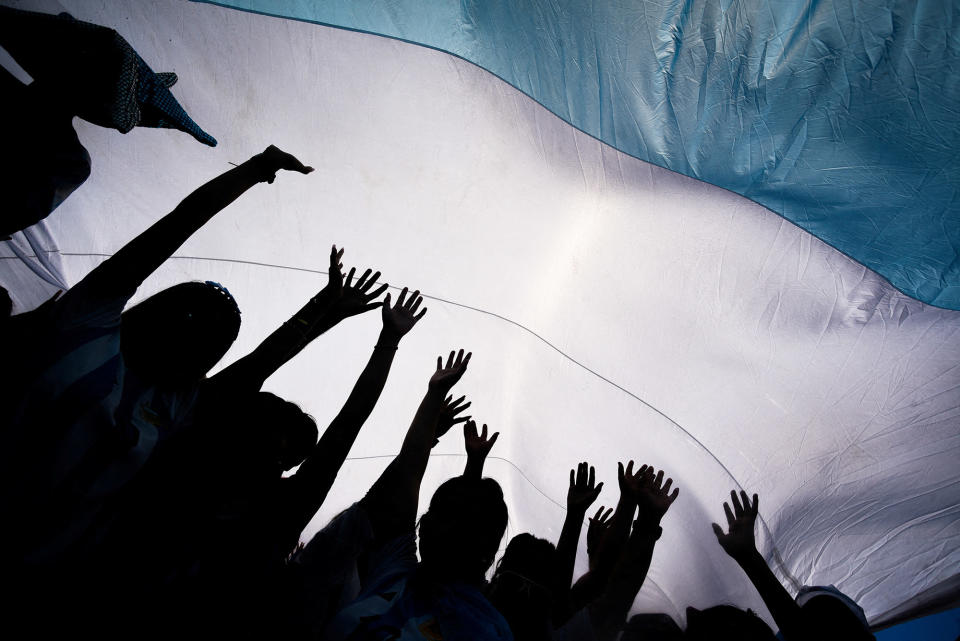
(653, 496)
(447, 376)
(738, 542)
(583, 490)
(334, 286)
(273, 160)
(400, 319)
(356, 298)
(448, 415)
(335, 272)
(630, 484)
(477, 444)
(597, 529)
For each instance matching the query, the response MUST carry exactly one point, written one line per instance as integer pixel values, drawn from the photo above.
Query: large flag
(616, 309)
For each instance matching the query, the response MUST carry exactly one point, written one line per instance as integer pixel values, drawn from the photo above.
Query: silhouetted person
(268, 512)
(533, 575)
(652, 627)
(653, 499)
(338, 300)
(606, 538)
(726, 622)
(233, 436)
(332, 566)
(46, 161)
(522, 587)
(442, 596)
(81, 422)
(269, 448)
(531, 586)
(215, 500)
(581, 494)
(830, 615)
(78, 69)
(826, 619)
(647, 495)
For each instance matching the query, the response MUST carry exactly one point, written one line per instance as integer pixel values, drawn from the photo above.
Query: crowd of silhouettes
(145, 499)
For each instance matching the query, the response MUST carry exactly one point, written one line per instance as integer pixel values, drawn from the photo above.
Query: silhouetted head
(277, 434)
(527, 556)
(174, 337)
(520, 586)
(291, 433)
(462, 529)
(251, 437)
(830, 618)
(726, 622)
(652, 627)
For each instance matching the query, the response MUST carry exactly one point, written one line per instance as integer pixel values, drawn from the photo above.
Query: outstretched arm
(332, 304)
(598, 526)
(739, 543)
(316, 475)
(477, 446)
(581, 494)
(122, 273)
(393, 500)
(609, 546)
(450, 416)
(653, 498)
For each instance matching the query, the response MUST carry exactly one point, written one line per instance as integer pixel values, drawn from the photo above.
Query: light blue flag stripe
(841, 116)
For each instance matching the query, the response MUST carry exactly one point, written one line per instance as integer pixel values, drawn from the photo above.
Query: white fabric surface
(599, 294)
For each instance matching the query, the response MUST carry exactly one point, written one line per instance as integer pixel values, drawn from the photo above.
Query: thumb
(717, 530)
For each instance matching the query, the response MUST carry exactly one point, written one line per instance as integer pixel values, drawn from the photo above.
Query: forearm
(314, 319)
(251, 371)
(612, 609)
(343, 431)
(318, 473)
(474, 466)
(584, 592)
(415, 451)
(565, 560)
(567, 547)
(144, 254)
(784, 609)
(394, 496)
(612, 547)
(592, 585)
(322, 323)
